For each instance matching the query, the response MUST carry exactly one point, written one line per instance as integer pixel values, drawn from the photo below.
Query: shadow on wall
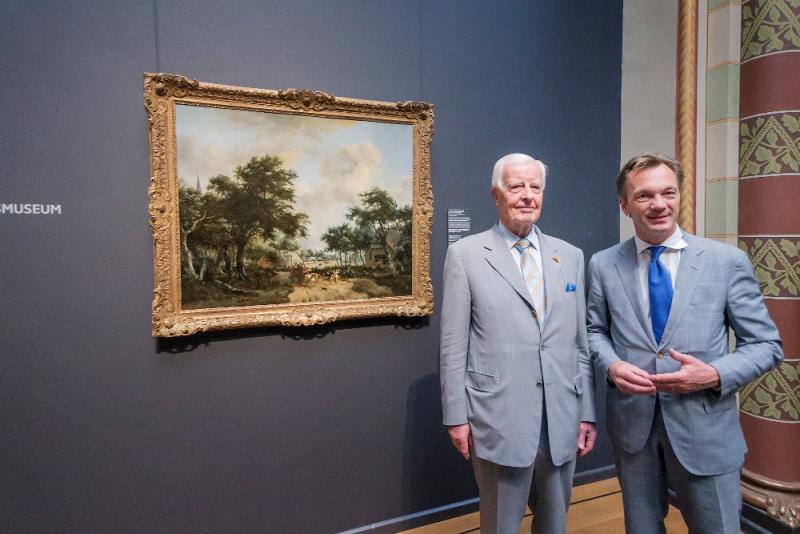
(434, 474)
(178, 345)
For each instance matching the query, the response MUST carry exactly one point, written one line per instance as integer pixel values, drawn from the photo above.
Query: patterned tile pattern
(770, 26)
(776, 262)
(775, 395)
(770, 144)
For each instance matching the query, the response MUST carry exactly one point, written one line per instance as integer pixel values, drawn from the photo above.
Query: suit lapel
(551, 267)
(688, 270)
(628, 270)
(499, 257)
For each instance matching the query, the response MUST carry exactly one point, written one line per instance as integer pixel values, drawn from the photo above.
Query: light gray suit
(715, 289)
(496, 365)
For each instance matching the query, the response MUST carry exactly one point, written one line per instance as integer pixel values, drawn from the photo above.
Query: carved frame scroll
(162, 92)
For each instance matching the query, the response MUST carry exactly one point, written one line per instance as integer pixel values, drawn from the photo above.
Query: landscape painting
(285, 207)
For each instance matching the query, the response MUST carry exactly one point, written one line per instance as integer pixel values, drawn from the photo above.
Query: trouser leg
(503, 493)
(642, 478)
(551, 490)
(709, 504)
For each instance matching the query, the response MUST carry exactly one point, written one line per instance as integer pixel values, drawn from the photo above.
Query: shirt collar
(511, 238)
(674, 242)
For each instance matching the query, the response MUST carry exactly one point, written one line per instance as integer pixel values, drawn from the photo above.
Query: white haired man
(517, 380)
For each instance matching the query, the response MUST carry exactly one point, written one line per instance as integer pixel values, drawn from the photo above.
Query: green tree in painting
(361, 239)
(214, 240)
(378, 222)
(257, 202)
(378, 211)
(403, 253)
(339, 239)
(193, 212)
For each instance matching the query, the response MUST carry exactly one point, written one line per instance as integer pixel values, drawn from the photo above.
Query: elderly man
(660, 305)
(517, 382)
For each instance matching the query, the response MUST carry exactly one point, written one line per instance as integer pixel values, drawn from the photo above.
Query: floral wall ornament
(777, 264)
(770, 144)
(770, 26)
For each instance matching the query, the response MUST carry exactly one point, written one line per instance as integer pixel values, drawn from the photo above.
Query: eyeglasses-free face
(652, 200)
(519, 202)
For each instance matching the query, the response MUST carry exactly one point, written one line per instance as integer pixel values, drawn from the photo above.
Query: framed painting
(285, 207)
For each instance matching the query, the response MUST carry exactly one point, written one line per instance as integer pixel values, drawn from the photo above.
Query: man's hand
(461, 437)
(693, 375)
(586, 438)
(630, 379)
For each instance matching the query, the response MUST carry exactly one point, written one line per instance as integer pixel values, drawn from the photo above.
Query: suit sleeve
(454, 340)
(584, 359)
(758, 344)
(598, 320)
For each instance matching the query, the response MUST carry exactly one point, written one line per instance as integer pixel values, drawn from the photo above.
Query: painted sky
(335, 159)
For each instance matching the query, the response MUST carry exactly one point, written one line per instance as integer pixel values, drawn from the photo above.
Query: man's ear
(494, 194)
(623, 204)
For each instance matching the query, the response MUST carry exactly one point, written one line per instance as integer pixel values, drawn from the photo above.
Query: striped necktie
(533, 278)
(659, 285)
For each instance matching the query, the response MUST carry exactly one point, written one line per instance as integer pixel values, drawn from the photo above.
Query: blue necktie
(659, 284)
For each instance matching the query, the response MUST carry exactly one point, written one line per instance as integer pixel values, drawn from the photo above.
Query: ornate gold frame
(161, 93)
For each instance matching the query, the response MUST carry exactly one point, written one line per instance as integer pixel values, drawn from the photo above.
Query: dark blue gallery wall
(80, 390)
(317, 430)
(534, 77)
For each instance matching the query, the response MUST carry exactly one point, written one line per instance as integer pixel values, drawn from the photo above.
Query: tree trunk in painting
(188, 258)
(240, 273)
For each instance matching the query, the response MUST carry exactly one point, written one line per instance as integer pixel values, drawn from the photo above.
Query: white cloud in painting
(403, 193)
(344, 174)
(215, 141)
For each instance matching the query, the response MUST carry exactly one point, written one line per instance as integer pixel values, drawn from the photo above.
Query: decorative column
(769, 230)
(686, 116)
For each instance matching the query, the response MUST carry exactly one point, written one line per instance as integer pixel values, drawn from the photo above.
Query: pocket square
(570, 287)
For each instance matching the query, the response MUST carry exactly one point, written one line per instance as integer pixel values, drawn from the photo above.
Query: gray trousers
(709, 504)
(504, 491)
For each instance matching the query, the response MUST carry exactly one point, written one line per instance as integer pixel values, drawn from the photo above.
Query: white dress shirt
(670, 257)
(511, 239)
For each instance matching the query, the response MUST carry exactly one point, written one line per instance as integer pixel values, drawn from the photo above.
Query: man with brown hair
(660, 306)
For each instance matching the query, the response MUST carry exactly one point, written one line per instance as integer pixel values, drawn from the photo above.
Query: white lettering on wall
(30, 209)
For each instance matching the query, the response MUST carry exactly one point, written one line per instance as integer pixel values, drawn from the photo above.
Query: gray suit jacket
(496, 366)
(715, 289)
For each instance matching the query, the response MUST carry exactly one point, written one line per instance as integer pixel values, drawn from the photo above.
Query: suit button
(660, 355)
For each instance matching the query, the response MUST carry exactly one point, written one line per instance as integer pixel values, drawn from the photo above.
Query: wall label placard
(459, 224)
(29, 209)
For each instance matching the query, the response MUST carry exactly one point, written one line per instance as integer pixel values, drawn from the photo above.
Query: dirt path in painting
(326, 290)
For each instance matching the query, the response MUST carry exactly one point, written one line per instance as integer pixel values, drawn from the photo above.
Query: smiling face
(519, 202)
(652, 199)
